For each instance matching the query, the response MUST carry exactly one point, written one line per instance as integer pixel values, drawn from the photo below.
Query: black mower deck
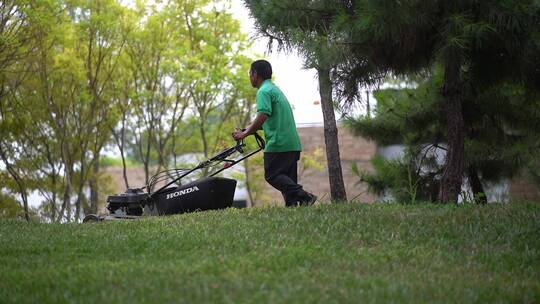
(207, 193)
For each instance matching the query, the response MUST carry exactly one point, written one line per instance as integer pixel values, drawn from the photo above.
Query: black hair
(263, 69)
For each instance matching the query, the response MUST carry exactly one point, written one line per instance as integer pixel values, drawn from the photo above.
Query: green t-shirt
(279, 128)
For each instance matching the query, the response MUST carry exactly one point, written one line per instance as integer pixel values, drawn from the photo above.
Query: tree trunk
(78, 202)
(67, 202)
(68, 174)
(476, 186)
(146, 172)
(53, 201)
(206, 152)
(80, 190)
(18, 181)
(368, 106)
(94, 198)
(120, 140)
(25, 203)
(146, 160)
(335, 176)
(121, 147)
(248, 184)
(452, 108)
(124, 169)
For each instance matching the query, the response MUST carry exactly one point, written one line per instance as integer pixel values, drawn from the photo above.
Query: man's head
(260, 71)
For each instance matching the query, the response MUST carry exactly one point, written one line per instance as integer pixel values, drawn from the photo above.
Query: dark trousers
(280, 171)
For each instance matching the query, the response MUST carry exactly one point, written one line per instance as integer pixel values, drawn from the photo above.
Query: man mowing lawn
(282, 151)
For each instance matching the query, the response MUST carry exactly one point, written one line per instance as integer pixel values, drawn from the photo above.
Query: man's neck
(259, 85)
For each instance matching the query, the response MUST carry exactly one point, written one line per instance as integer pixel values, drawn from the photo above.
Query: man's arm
(252, 128)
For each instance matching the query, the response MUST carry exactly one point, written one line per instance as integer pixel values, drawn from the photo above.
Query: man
(282, 151)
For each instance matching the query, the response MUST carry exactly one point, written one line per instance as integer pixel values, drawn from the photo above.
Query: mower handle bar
(221, 156)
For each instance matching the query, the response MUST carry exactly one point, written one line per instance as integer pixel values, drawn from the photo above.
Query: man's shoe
(310, 200)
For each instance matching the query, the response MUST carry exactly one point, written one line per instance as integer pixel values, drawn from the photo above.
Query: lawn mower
(208, 192)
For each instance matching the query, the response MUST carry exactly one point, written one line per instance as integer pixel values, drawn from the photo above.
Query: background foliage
(151, 80)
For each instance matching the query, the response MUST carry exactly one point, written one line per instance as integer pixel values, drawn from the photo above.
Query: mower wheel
(91, 218)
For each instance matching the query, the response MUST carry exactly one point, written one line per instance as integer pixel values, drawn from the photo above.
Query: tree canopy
(500, 137)
(478, 45)
(79, 76)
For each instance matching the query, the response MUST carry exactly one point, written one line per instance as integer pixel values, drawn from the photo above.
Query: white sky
(299, 85)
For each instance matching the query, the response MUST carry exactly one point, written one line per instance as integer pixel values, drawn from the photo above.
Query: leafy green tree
(9, 207)
(152, 102)
(73, 54)
(102, 28)
(78, 75)
(23, 32)
(15, 43)
(215, 70)
(183, 63)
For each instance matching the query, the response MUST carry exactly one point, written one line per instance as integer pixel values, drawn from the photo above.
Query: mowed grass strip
(329, 253)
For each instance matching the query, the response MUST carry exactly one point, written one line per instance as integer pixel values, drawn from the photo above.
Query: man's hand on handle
(238, 134)
(255, 125)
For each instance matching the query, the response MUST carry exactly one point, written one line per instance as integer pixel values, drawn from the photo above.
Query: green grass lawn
(328, 253)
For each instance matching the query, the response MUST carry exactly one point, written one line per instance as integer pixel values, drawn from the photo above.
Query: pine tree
(480, 44)
(305, 27)
(500, 137)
